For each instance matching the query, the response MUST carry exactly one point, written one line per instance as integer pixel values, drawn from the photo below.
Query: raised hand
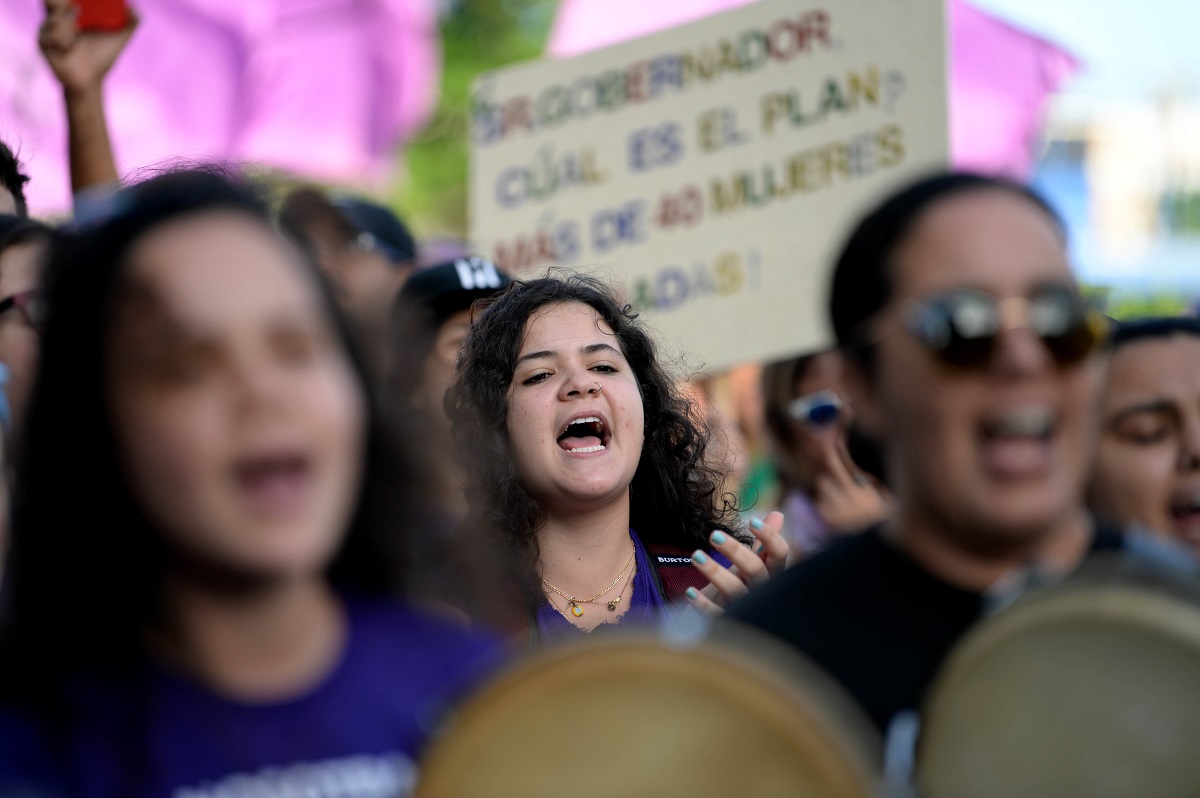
(748, 567)
(847, 499)
(79, 59)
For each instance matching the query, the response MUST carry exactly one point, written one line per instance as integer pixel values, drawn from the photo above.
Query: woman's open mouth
(274, 483)
(583, 435)
(1185, 515)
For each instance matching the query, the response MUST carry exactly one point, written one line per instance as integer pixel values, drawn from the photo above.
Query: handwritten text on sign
(713, 168)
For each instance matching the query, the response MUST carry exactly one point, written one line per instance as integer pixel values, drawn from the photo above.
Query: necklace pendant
(576, 610)
(612, 605)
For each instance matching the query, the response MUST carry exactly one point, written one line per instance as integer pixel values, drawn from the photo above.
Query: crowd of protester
(279, 492)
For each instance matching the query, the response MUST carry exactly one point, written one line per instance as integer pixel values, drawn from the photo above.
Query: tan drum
(1089, 689)
(621, 716)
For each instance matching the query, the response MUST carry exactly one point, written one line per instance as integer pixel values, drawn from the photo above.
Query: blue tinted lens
(822, 415)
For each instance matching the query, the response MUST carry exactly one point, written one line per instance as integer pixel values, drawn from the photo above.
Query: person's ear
(860, 390)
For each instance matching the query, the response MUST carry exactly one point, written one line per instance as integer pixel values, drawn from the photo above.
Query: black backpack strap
(672, 571)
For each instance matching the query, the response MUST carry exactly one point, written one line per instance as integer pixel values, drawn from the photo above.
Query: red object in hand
(103, 15)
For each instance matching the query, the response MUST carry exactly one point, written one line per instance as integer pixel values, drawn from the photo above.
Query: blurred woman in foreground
(202, 574)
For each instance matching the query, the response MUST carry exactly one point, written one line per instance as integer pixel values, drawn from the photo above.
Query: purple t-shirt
(354, 735)
(644, 604)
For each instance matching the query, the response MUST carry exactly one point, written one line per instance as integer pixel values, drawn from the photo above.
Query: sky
(1128, 49)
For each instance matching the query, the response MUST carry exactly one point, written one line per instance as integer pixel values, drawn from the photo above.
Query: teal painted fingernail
(758, 549)
(756, 523)
(718, 538)
(691, 593)
(699, 557)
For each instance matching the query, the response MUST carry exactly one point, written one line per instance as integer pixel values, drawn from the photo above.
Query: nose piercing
(597, 389)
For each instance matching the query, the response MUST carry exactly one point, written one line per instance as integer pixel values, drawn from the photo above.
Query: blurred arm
(81, 60)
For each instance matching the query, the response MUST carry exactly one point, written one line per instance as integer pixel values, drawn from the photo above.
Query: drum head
(634, 716)
(1090, 689)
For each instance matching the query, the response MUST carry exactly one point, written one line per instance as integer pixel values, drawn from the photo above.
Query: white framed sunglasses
(818, 409)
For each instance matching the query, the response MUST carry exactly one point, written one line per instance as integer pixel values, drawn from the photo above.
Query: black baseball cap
(369, 224)
(387, 233)
(446, 288)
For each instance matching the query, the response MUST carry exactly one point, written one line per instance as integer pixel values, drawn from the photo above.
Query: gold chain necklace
(574, 603)
(612, 605)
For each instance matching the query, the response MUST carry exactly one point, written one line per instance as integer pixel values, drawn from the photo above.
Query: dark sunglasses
(30, 303)
(817, 409)
(962, 327)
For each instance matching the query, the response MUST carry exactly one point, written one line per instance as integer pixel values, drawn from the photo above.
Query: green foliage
(1181, 212)
(1125, 304)
(1131, 306)
(477, 36)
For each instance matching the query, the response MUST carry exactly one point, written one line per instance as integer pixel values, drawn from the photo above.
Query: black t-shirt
(872, 617)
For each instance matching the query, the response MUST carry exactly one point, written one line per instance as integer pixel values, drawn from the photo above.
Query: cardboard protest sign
(712, 169)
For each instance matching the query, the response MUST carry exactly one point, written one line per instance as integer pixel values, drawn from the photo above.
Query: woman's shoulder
(392, 628)
(394, 615)
(27, 766)
(438, 660)
(403, 667)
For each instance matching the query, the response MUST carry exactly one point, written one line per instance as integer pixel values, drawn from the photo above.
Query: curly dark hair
(674, 498)
(85, 573)
(13, 179)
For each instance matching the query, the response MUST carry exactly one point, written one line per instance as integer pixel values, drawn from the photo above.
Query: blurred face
(998, 453)
(366, 280)
(239, 417)
(438, 372)
(8, 203)
(813, 443)
(575, 417)
(20, 271)
(1148, 463)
